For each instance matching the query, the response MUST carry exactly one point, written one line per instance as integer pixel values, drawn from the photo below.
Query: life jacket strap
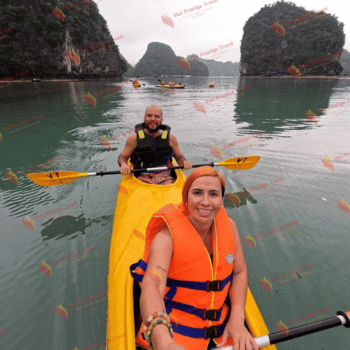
(142, 265)
(211, 315)
(205, 333)
(208, 286)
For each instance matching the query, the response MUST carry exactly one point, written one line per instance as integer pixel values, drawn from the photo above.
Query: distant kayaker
(171, 83)
(193, 252)
(135, 81)
(152, 145)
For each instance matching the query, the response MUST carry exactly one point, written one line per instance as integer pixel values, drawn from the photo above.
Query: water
(69, 227)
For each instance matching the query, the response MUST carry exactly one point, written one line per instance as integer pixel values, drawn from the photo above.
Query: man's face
(153, 119)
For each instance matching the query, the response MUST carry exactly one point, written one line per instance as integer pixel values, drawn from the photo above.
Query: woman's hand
(242, 339)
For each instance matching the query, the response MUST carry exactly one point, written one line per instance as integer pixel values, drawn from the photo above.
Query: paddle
(64, 177)
(296, 332)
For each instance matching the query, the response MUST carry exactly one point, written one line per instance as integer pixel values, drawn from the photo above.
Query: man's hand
(125, 169)
(187, 165)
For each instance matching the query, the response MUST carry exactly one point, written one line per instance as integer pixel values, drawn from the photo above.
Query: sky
(206, 30)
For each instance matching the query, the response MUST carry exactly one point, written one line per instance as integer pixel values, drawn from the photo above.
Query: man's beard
(152, 131)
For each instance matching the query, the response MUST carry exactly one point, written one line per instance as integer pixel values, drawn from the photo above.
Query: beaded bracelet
(152, 325)
(152, 317)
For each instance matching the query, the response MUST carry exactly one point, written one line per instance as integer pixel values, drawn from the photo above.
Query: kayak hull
(136, 85)
(171, 87)
(136, 203)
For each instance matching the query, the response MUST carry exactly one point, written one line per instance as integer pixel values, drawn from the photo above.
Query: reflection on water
(278, 104)
(237, 199)
(64, 226)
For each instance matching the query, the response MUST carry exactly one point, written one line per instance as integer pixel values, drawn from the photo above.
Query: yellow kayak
(171, 87)
(136, 203)
(136, 85)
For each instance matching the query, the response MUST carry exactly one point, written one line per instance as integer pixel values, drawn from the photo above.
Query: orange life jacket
(171, 83)
(196, 289)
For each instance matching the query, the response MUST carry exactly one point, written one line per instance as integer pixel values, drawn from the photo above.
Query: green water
(49, 126)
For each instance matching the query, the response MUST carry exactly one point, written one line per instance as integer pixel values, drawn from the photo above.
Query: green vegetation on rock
(44, 33)
(160, 59)
(270, 48)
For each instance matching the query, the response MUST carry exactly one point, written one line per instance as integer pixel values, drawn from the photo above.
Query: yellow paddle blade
(240, 163)
(55, 178)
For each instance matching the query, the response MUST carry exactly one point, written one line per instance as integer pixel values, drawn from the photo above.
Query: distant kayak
(171, 87)
(136, 85)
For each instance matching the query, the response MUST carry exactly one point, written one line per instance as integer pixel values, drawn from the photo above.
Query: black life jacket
(152, 152)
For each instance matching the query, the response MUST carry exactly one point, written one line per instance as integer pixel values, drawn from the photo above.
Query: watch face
(284, 44)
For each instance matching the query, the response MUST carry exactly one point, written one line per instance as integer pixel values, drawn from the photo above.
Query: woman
(192, 253)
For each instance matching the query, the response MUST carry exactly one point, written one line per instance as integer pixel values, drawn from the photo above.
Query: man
(152, 145)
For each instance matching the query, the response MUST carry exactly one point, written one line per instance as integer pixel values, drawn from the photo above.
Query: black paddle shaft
(296, 332)
(114, 172)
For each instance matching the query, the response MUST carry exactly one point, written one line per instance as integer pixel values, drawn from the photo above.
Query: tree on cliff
(281, 35)
(48, 37)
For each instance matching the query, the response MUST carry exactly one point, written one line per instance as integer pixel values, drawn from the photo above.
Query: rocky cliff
(56, 38)
(160, 59)
(283, 39)
(218, 69)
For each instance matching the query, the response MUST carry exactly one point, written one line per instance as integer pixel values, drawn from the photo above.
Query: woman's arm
(153, 288)
(238, 290)
(235, 327)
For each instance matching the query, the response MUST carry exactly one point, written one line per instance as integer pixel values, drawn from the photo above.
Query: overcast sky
(219, 23)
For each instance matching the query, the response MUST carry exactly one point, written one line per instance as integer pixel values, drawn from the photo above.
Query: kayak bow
(137, 202)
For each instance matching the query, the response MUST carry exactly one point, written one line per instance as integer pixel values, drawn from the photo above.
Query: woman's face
(205, 199)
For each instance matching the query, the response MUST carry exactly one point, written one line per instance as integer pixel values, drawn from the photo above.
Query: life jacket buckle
(213, 286)
(211, 332)
(211, 315)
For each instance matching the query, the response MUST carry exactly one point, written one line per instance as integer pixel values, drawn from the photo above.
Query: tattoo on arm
(160, 268)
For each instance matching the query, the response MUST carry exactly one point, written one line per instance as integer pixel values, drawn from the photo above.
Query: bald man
(152, 145)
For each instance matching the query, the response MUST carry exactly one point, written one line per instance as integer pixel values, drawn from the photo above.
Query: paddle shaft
(296, 332)
(115, 172)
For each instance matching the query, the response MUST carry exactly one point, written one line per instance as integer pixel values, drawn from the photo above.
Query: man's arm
(180, 158)
(126, 153)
